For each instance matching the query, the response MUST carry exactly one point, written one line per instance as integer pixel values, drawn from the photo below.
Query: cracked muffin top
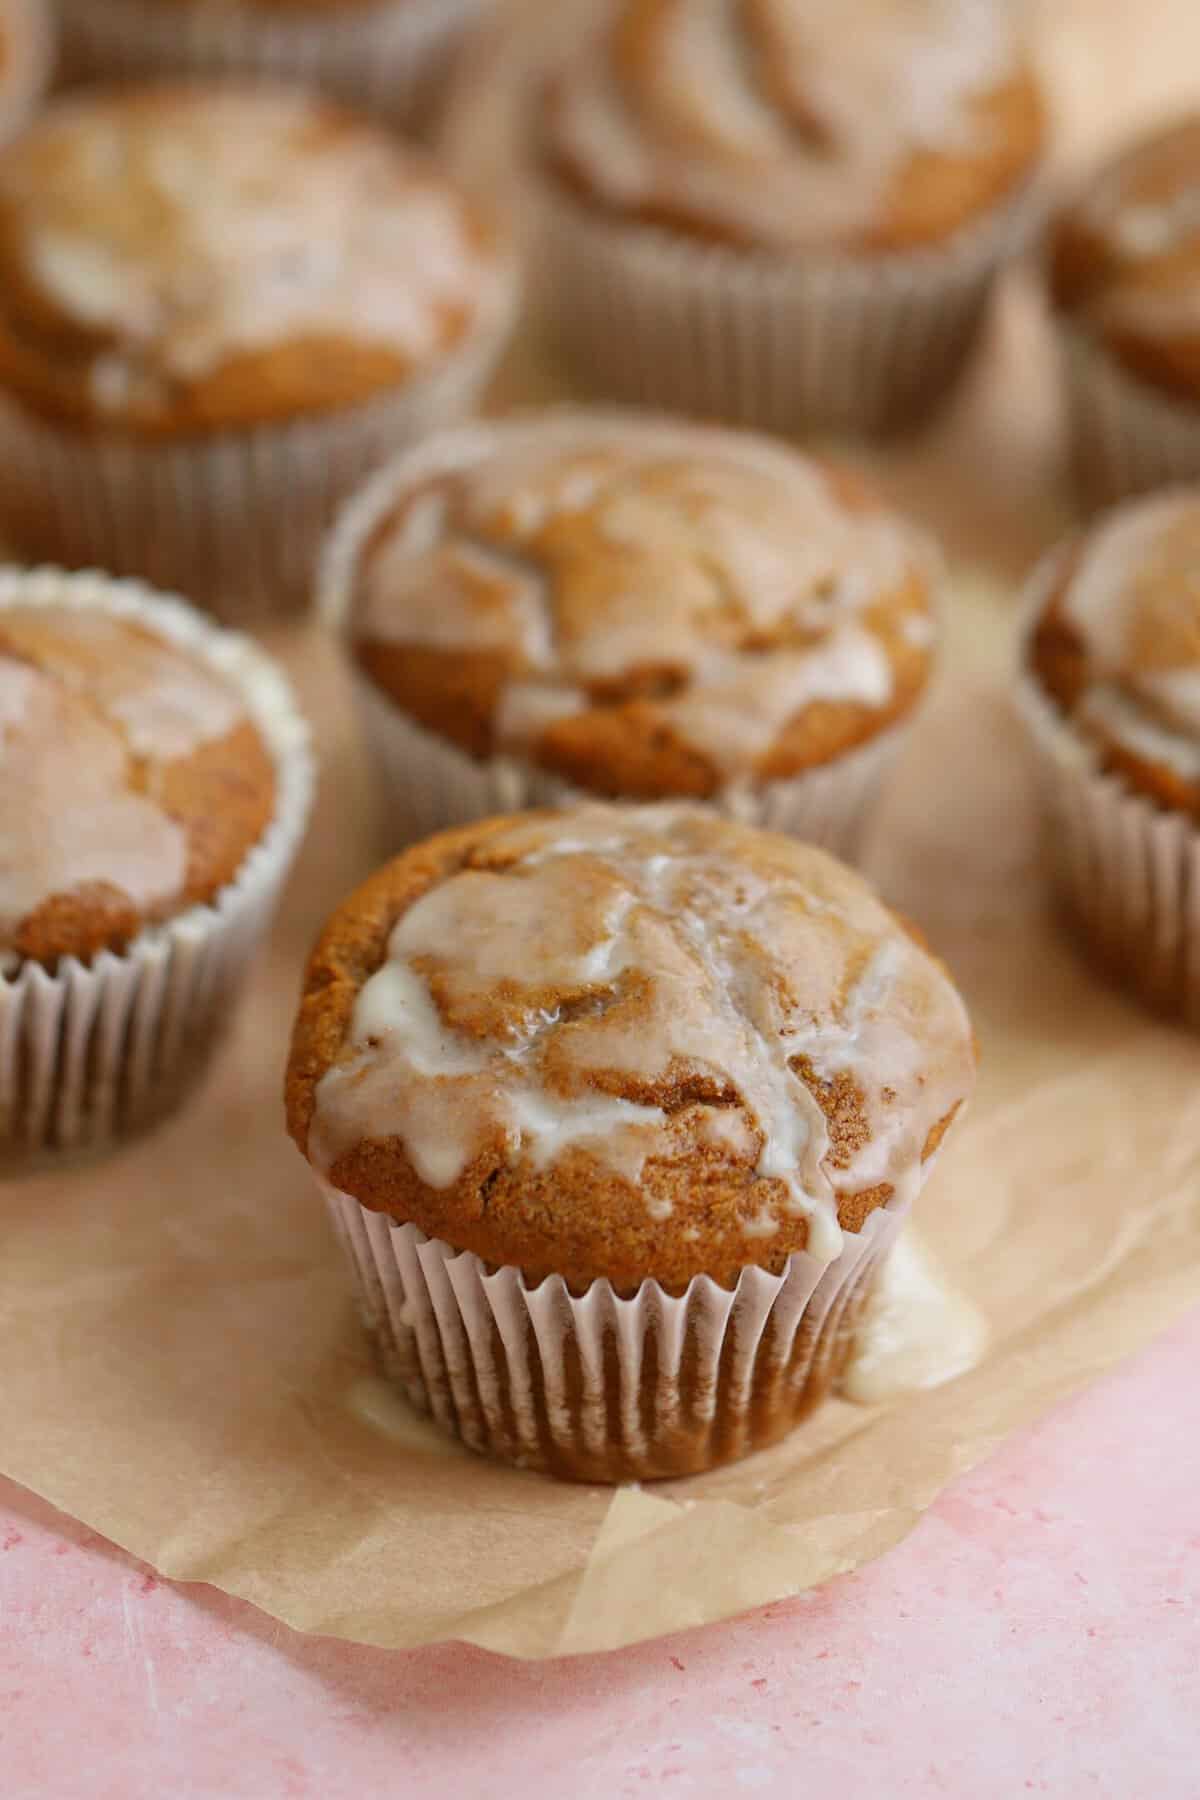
(872, 125)
(135, 783)
(1116, 646)
(625, 1042)
(1124, 260)
(646, 609)
(190, 256)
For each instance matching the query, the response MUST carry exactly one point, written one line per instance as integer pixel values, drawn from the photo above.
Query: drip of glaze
(918, 1330)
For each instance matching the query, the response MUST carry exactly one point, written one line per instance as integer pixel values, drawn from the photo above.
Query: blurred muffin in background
(387, 57)
(1123, 265)
(157, 780)
(1110, 686)
(26, 57)
(789, 213)
(623, 606)
(219, 306)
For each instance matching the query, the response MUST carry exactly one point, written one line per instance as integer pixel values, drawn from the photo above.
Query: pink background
(1038, 1633)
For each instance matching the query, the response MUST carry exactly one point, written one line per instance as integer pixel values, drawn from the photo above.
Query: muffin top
(1125, 258)
(134, 783)
(647, 609)
(625, 1042)
(1117, 645)
(871, 125)
(204, 255)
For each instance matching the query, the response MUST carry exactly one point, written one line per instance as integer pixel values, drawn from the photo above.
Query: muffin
(387, 57)
(1123, 265)
(785, 214)
(1110, 685)
(617, 1112)
(26, 54)
(157, 783)
(594, 604)
(218, 307)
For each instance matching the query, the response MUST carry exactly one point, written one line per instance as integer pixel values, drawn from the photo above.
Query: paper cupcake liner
(599, 1387)
(1126, 438)
(91, 1054)
(867, 345)
(235, 519)
(1126, 872)
(430, 783)
(27, 47)
(387, 57)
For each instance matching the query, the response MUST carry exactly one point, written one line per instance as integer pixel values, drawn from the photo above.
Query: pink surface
(1038, 1633)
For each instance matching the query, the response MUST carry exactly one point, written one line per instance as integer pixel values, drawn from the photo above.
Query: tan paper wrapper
(389, 57)
(183, 1365)
(1126, 438)
(184, 1368)
(28, 59)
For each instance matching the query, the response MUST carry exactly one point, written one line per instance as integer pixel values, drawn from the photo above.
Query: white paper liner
(1127, 872)
(387, 57)
(807, 342)
(91, 1054)
(1126, 437)
(234, 519)
(599, 1387)
(27, 48)
(430, 783)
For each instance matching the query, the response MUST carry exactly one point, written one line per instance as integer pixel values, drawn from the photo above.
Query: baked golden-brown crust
(135, 783)
(792, 123)
(645, 609)
(188, 257)
(1124, 261)
(1117, 646)
(761, 998)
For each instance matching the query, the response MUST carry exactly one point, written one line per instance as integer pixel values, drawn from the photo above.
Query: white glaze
(784, 119)
(226, 223)
(629, 947)
(917, 1331)
(587, 551)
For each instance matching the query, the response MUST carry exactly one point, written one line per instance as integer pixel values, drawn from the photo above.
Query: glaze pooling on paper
(787, 119)
(917, 1330)
(549, 1001)
(719, 577)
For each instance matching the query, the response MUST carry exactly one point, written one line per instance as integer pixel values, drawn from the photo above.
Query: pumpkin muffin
(156, 782)
(617, 1111)
(1123, 265)
(389, 58)
(1111, 688)
(625, 607)
(785, 213)
(217, 304)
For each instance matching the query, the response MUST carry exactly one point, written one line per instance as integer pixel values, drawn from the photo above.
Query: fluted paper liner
(235, 518)
(1127, 872)
(1127, 438)
(388, 57)
(602, 1386)
(90, 1054)
(28, 60)
(430, 783)
(786, 343)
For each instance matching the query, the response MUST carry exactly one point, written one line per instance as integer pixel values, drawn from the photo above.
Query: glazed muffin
(156, 785)
(619, 606)
(26, 54)
(1111, 688)
(617, 1111)
(1123, 265)
(786, 214)
(388, 57)
(217, 305)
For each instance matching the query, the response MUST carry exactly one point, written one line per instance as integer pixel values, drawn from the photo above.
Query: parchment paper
(181, 1366)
